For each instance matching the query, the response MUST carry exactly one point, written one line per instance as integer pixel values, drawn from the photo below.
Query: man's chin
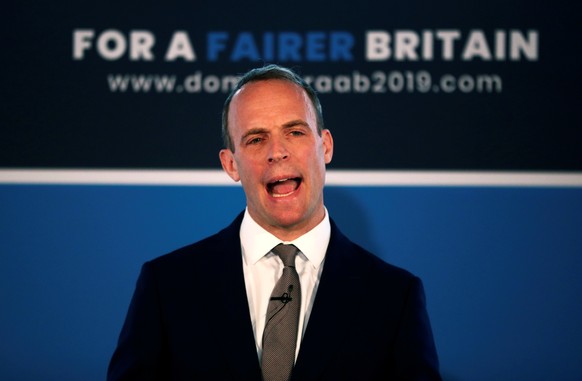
(291, 224)
(283, 220)
(286, 220)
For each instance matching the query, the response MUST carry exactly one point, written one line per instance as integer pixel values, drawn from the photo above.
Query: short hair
(263, 74)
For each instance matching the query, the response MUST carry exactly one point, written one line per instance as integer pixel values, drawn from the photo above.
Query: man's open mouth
(283, 187)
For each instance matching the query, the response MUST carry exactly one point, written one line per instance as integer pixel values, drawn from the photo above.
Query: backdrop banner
(414, 86)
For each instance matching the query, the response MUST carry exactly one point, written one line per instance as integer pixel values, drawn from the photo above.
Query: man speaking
(281, 293)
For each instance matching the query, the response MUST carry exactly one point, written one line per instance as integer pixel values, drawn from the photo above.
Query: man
(235, 307)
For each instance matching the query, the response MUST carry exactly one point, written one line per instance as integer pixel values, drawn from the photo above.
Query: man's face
(279, 156)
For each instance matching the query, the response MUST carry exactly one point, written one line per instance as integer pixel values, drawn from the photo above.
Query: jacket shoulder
(362, 262)
(210, 251)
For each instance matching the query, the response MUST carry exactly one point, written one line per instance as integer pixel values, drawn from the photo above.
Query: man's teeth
(277, 195)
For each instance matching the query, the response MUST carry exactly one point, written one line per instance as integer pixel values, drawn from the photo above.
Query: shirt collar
(256, 242)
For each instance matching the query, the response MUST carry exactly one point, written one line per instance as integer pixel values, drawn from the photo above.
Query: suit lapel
(334, 307)
(232, 309)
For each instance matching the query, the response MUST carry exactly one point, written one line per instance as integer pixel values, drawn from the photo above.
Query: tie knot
(286, 253)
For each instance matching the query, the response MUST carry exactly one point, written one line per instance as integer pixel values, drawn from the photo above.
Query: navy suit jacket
(189, 319)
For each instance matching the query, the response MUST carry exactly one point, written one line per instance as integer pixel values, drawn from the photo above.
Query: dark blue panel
(404, 85)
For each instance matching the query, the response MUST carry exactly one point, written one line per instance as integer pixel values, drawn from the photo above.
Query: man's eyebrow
(253, 131)
(260, 130)
(296, 122)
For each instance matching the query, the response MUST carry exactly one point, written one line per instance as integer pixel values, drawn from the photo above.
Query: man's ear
(327, 145)
(229, 164)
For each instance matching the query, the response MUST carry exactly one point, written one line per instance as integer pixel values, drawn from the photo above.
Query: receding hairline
(282, 81)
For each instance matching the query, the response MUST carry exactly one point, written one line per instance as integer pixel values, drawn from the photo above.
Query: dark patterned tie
(280, 335)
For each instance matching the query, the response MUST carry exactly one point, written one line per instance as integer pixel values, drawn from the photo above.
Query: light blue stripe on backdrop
(501, 268)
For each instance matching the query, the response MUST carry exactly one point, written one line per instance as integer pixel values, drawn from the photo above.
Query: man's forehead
(262, 95)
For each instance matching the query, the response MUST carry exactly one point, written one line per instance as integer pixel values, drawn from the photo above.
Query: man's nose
(278, 151)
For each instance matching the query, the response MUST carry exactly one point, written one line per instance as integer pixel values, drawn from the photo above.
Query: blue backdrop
(501, 267)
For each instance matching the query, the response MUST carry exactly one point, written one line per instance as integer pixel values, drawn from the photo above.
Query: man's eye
(254, 141)
(297, 133)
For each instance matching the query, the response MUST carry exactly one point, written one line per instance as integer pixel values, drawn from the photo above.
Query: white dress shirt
(262, 269)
